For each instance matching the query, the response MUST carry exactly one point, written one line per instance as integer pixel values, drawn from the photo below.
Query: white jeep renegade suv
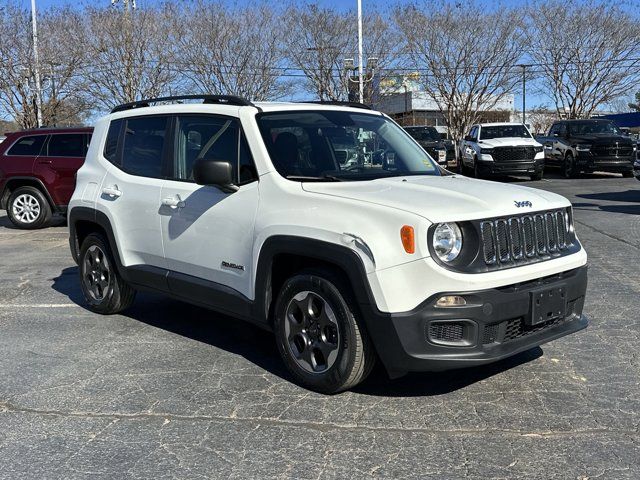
(252, 211)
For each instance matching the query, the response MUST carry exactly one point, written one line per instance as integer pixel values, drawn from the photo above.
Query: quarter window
(67, 145)
(28, 146)
(111, 144)
(144, 139)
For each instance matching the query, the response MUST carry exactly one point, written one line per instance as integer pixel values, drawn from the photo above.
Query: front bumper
(523, 167)
(588, 162)
(496, 324)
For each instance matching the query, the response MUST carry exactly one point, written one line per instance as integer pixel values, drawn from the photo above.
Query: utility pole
(360, 67)
(524, 91)
(36, 61)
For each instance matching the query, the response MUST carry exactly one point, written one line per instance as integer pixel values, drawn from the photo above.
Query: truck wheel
(28, 208)
(628, 174)
(102, 286)
(476, 170)
(319, 334)
(537, 176)
(568, 167)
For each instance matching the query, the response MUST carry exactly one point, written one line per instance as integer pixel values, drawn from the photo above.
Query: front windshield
(340, 145)
(504, 131)
(424, 134)
(590, 128)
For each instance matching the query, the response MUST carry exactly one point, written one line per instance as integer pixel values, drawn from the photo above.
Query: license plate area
(548, 304)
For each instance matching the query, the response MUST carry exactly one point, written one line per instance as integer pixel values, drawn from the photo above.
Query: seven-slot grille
(513, 154)
(532, 236)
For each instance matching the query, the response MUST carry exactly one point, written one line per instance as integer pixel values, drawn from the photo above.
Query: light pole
(524, 91)
(36, 67)
(360, 67)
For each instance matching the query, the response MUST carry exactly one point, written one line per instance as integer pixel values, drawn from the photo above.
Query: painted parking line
(39, 305)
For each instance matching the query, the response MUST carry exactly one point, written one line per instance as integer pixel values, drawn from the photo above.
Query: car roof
(227, 109)
(499, 124)
(50, 130)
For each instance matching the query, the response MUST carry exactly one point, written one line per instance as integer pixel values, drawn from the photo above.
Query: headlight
(584, 147)
(447, 241)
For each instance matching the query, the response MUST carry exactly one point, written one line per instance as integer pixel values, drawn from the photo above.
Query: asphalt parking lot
(168, 390)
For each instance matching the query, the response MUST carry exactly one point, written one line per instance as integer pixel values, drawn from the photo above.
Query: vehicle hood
(509, 142)
(441, 199)
(602, 139)
(431, 144)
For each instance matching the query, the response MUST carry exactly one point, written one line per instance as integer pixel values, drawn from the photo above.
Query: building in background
(402, 98)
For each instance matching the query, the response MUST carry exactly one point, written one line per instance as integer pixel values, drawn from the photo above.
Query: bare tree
(17, 93)
(466, 56)
(588, 53)
(224, 50)
(317, 42)
(131, 54)
(540, 118)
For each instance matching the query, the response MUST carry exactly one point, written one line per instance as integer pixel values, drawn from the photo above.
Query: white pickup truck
(501, 149)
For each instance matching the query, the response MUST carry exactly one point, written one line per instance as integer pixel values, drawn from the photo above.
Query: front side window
(338, 145)
(67, 145)
(144, 139)
(504, 131)
(28, 146)
(213, 138)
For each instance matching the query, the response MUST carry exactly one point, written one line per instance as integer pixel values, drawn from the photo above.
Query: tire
(28, 208)
(537, 176)
(103, 288)
(476, 170)
(326, 349)
(568, 167)
(628, 174)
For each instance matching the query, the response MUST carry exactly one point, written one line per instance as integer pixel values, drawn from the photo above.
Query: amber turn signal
(407, 236)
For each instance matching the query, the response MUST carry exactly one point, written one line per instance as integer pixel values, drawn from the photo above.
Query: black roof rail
(339, 103)
(217, 99)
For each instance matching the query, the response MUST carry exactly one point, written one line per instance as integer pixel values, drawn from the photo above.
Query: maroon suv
(38, 172)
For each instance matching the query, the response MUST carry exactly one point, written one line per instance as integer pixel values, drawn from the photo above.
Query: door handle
(112, 191)
(173, 202)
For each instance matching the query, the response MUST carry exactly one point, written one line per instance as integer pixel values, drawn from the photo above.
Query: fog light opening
(451, 301)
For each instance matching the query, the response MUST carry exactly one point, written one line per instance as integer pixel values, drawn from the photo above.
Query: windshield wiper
(323, 178)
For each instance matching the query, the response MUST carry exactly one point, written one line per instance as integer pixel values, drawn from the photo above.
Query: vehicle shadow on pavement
(625, 196)
(258, 346)
(429, 384)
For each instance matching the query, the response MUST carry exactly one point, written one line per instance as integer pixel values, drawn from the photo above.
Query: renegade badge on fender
(249, 209)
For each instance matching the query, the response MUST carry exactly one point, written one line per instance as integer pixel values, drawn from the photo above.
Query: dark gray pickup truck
(587, 146)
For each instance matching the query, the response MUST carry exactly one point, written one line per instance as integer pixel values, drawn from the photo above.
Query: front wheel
(627, 174)
(102, 286)
(569, 168)
(319, 334)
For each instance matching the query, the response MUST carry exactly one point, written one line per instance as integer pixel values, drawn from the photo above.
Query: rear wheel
(102, 286)
(319, 334)
(28, 208)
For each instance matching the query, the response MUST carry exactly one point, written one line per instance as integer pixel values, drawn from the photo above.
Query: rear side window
(67, 145)
(144, 139)
(28, 146)
(111, 145)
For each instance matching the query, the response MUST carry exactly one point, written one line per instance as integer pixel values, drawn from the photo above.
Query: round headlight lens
(447, 241)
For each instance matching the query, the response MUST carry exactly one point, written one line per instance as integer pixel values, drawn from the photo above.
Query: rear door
(130, 190)
(61, 157)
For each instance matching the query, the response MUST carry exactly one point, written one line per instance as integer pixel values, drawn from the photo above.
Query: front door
(207, 232)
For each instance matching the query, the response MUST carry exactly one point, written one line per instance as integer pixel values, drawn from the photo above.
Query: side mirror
(218, 173)
(556, 134)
